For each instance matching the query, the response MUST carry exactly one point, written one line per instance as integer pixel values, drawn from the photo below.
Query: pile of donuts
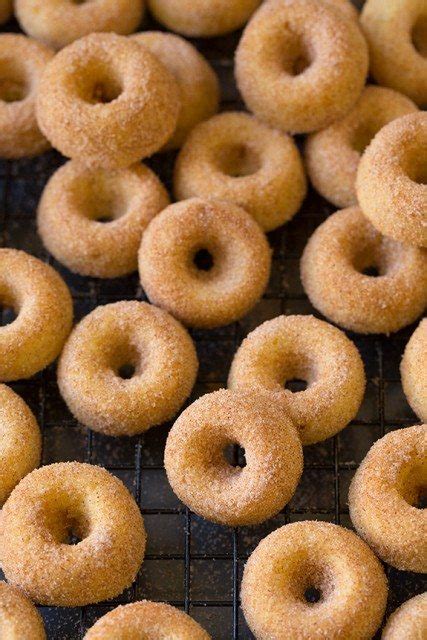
(81, 81)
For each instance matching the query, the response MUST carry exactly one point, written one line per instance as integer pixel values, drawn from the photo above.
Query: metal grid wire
(191, 563)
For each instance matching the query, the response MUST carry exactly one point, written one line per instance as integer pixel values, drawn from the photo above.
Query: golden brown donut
(306, 348)
(93, 220)
(335, 269)
(6, 8)
(413, 370)
(301, 64)
(107, 101)
(306, 559)
(126, 367)
(384, 497)
(391, 180)
(396, 31)
(333, 155)
(233, 156)
(408, 622)
(72, 535)
(19, 619)
(202, 477)
(44, 310)
(197, 81)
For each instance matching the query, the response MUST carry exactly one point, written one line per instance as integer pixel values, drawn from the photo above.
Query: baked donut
(107, 101)
(384, 497)
(71, 535)
(207, 262)
(408, 621)
(197, 81)
(413, 370)
(126, 367)
(22, 62)
(60, 22)
(6, 9)
(392, 180)
(305, 348)
(93, 220)
(44, 311)
(333, 155)
(301, 64)
(335, 272)
(313, 580)
(233, 156)
(19, 619)
(396, 32)
(204, 480)
(148, 620)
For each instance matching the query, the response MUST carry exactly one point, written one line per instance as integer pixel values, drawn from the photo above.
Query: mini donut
(333, 155)
(408, 621)
(148, 620)
(44, 311)
(107, 102)
(413, 370)
(313, 580)
(384, 496)
(72, 535)
(233, 156)
(197, 81)
(306, 348)
(301, 64)
(126, 367)
(335, 269)
(392, 180)
(22, 62)
(6, 8)
(92, 221)
(19, 619)
(396, 32)
(212, 292)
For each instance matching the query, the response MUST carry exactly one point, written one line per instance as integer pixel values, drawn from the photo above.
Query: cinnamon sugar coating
(413, 370)
(19, 619)
(6, 9)
(408, 621)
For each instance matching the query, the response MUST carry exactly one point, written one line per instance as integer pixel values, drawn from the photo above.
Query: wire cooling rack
(191, 563)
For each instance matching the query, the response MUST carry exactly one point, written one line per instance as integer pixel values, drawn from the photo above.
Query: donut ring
(303, 347)
(383, 497)
(413, 370)
(22, 62)
(391, 180)
(204, 295)
(44, 311)
(408, 621)
(235, 157)
(333, 155)
(49, 507)
(284, 70)
(126, 367)
(208, 484)
(107, 102)
(19, 619)
(333, 268)
(6, 9)
(197, 81)
(396, 31)
(148, 620)
(318, 557)
(92, 221)
(58, 23)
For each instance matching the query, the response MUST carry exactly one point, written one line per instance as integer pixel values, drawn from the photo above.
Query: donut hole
(419, 35)
(126, 371)
(413, 485)
(235, 455)
(363, 136)
(298, 373)
(416, 167)
(371, 262)
(239, 160)
(311, 584)
(295, 56)
(203, 260)
(7, 315)
(14, 85)
(98, 83)
(127, 362)
(312, 595)
(100, 198)
(295, 385)
(65, 519)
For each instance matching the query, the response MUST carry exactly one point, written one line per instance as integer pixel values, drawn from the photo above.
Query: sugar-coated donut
(22, 62)
(333, 155)
(384, 497)
(396, 31)
(72, 535)
(6, 8)
(197, 81)
(303, 347)
(148, 620)
(126, 367)
(313, 580)
(408, 622)
(413, 370)
(392, 180)
(202, 477)
(92, 221)
(44, 311)
(335, 269)
(19, 619)
(233, 156)
(301, 64)
(60, 22)
(207, 262)
(107, 101)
